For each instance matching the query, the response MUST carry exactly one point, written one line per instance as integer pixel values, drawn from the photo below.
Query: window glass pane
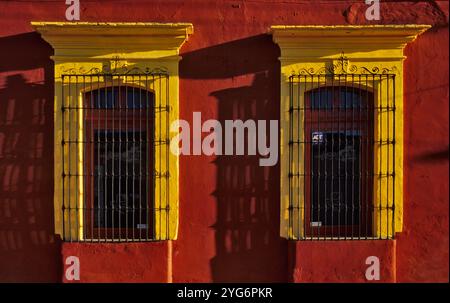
(335, 183)
(108, 98)
(137, 98)
(120, 179)
(339, 97)
(350, 98)
(104, 98)
(322, 99)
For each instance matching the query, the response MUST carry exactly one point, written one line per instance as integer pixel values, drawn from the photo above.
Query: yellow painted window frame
(373, 48)
(80, 47)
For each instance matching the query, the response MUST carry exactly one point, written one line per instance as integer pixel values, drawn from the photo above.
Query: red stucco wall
(240, 80)
(141, 262)
(341, 261)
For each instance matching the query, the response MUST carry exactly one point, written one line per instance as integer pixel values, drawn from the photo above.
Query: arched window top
(119, 97)
(338, 97)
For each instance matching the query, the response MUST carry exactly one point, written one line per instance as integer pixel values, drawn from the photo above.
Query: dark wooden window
(339, 135)
(119, 133)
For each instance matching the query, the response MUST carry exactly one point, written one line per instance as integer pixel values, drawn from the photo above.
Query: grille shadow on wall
(29, 250)
(248, 245)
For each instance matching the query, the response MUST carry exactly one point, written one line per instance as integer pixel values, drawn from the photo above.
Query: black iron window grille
(115, 156)
(342, 156)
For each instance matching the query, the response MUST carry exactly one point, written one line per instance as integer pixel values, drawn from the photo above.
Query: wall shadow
(248, 244)
(435, 156)
(29, 250)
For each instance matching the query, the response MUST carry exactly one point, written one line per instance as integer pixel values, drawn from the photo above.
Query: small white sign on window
(316, 224)
(317, 137)
(142, 226)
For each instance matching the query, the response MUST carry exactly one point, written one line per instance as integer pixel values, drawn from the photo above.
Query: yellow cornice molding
(320, 40)
(403, 30)
(93, 39)
(114, 28)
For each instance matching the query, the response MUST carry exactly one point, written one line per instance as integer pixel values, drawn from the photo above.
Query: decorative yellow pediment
(130, 39)
(361, 41)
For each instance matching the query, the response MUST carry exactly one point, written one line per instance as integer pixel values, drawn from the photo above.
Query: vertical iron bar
(127, 146)
(291, 122)
(113, 135)
(380, 150)
(360, 127)
(295, 165)
(325, 146)
(98, 172)
(153, 167)
(91, 184)
(105, 144)
(84, 139)
(333, 114)
(77, 189)
(147, 162)
(393, 155)
(374, 115)
(133, 111)
(354, 133)
(370, 136)
(62, 158)
(319, 113)
(310, 173)
(119, 164)
(346, 129)
(140, 158)
(167, 144)
(160, 160)
(69, 162)
(388, 142)
(301, 128)
(339, 157)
